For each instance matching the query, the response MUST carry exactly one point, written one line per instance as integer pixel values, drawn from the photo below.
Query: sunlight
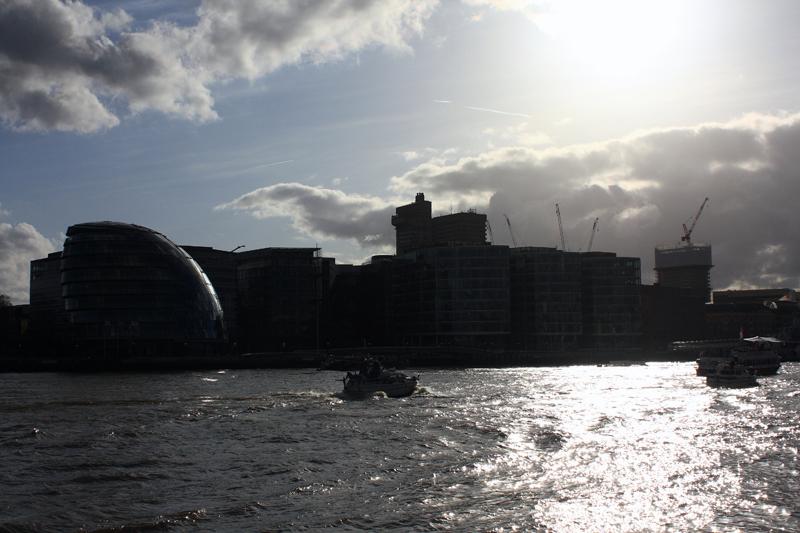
(618, 41)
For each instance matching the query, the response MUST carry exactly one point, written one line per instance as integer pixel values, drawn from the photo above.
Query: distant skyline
(303, 123)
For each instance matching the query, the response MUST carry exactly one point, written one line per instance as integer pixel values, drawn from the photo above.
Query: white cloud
(63, 65)
(519, 134)
(428, 152)
(322, 212)
(19, 244)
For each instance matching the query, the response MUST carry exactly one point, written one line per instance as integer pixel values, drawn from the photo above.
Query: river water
(583, 448)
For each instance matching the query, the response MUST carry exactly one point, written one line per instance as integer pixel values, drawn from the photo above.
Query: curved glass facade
(129, 289)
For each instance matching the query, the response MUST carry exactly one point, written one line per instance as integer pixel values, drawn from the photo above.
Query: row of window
(141, 330)
(122, 286)
(142, 274)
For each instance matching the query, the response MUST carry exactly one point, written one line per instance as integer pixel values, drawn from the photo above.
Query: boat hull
(392, 390)
(725, 382)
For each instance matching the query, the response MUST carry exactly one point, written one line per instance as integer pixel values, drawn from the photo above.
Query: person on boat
(374, 369)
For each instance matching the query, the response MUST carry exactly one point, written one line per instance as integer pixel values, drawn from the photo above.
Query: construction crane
(511, 231)
(687, 232)
(560, 228)
(594, 231)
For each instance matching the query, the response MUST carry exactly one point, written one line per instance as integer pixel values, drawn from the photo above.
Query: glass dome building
(130, 291)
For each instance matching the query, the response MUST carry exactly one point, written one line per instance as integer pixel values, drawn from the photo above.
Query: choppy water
(636, 448)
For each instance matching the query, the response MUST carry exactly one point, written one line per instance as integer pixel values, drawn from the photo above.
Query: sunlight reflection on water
(639, 448)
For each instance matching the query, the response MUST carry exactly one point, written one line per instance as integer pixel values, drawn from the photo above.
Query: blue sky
(302, 123)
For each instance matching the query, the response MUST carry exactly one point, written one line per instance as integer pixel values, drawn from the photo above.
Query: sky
(306, 122)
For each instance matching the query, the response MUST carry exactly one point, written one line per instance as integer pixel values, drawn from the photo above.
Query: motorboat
(731, 375)
(372, 379)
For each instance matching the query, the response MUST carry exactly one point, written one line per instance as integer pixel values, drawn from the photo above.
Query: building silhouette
(129, 291)
(450, 287)
(416, 229)
(546, 306)
(220, 268)
(684, 266)
(610, 298)
(280, 293)
(47, 316)
(452, 295)
(671, 314)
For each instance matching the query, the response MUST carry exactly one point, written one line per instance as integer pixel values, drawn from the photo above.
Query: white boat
(757, 357)
(372, 379)
(731, 375)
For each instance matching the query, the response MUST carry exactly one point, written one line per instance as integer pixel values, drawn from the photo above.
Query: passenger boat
(757, 357)
(372, 378)
(731, 375)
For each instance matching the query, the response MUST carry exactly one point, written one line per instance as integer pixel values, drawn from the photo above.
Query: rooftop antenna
(240, 246)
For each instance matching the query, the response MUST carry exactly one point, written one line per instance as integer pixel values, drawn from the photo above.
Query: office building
(684, 266)
(129, 291)
(748, 313)
(413, 226)
(610, 298)
(220, 267)
(672, 314)
(47, 317)
(280, 292)
(464, 229)
(546, 312)
(456, 295)
(415, 229)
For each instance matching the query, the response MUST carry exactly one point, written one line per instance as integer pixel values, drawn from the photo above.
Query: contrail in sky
(523, 115)
(276, 163)
(486, 109)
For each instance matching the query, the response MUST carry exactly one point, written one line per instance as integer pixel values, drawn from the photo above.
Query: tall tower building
(412, 224)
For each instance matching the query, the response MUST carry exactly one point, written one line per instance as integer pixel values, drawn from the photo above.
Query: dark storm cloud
(322, 212)
(19, 244)
(62, 62)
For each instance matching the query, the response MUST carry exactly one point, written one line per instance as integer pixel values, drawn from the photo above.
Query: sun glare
(619, 41)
